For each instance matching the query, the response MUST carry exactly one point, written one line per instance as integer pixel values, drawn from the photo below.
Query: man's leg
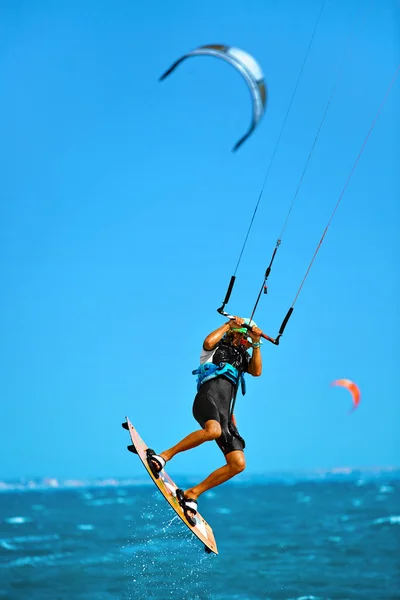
(211, 431)
(235, 463)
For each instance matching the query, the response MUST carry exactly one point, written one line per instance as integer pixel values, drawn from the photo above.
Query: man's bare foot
(155, 461)
(188, 504)
(190, 494)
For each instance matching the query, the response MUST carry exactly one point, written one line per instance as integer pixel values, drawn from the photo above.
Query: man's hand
(255, 334)
(236, 322)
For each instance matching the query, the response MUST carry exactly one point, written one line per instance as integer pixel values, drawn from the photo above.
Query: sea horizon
(287, 476)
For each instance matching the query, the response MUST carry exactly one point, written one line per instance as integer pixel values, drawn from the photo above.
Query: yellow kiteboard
(167, 487)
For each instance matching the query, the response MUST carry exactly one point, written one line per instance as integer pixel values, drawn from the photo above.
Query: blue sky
(123, 212)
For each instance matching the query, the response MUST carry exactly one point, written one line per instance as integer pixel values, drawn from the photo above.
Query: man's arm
(213, 338)
(255, 366)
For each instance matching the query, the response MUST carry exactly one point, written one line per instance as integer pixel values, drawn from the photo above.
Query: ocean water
(294, 539)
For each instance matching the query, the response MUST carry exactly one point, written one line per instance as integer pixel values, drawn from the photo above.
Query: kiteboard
(167, 487)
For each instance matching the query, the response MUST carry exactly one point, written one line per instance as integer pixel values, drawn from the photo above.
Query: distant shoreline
(360, 475)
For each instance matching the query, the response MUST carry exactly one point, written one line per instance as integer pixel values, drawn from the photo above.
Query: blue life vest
(208, 371)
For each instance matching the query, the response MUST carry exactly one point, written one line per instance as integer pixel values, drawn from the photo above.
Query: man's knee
(237, 462)
(212, 430)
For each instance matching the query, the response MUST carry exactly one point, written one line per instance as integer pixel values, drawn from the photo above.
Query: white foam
(361, 482)
(356, 502)
(386, 489)
(18, 520)
(85, 527)
(335, 539)
(307, 598)
(391, 520)
(223, 511)
(23, 539)
(35, 560)
(210, 494)
(302, 498)
(6, 545)
(87, 496)
(105, 501)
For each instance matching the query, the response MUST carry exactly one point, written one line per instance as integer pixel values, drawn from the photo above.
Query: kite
(353, 389)
(247, 66)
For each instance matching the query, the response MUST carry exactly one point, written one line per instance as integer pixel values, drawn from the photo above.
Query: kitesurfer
(223, 361)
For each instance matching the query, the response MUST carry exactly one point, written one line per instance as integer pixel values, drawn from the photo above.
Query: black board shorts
(212, 401)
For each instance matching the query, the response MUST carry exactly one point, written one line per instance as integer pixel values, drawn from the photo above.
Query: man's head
(239, 335)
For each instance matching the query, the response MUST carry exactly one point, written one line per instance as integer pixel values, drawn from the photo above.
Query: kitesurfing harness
(209, 370)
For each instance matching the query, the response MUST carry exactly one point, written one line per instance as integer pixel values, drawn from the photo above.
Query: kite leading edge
(353, 389)
(250, 70)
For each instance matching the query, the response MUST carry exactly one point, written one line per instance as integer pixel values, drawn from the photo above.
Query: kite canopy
(247, 66)
(353, 389)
